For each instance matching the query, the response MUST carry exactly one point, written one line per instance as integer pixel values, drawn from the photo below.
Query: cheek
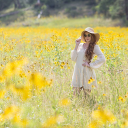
(90, 38)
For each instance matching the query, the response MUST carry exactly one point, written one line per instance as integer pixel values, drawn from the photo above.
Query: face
(87, 37)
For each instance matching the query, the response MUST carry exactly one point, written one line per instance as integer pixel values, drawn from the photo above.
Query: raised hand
(78, 41)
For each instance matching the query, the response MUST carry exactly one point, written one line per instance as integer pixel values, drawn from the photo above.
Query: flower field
(35, 80)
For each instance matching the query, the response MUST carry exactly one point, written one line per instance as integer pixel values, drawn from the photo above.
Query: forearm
(76, 47)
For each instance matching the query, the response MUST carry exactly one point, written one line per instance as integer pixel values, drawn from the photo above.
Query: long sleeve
(74, 55)
(100, 60)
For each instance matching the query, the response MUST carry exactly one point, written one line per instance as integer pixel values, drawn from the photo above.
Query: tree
(5, 4)
(126, 9)
(103, 6)
(17, 4)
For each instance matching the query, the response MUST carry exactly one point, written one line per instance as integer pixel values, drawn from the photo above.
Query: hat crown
(89, 29)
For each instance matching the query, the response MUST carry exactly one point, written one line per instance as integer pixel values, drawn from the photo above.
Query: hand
(78, 41)
(85, 64)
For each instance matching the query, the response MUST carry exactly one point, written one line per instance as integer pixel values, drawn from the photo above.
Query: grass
(56, 22)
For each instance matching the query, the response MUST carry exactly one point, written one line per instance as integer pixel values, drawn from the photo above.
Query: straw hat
(90, 30)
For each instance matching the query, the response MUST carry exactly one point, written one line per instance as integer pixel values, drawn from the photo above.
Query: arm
(100, 60)
(74, 52)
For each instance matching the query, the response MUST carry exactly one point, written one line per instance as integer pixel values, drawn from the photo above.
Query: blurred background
(64, 13)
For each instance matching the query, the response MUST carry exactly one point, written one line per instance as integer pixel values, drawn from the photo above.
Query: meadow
(35, 79)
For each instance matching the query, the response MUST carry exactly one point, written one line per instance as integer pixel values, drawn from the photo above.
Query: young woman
(84, 76)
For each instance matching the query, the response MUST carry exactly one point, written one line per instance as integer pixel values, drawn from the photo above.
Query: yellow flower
(62, 63)
(8, 98)
(54, 38)
(125, 96)
(104, 116)
(64, 102)
(9, 112)
(91, 80)
(53, 120)
(95, 124)
(104, 94)
(68, 67)
(99, 107)
(2, 93)
(124, 124)
(38, 80)
(13, 67)
(61, 66)
(17, 120)
(121, 99)
(24, 92)
(2, 78)
(93, 86)
(99, 82)
(95, 57)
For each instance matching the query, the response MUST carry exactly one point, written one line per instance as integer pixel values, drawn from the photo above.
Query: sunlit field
(35, 80)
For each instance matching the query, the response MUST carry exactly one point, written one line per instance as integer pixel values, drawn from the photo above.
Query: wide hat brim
(90, 30)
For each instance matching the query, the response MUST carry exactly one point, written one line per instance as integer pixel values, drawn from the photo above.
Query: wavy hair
(89, 52)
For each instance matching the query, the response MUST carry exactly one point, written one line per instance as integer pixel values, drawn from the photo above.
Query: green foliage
(103, 6)
(45, 10)
(117, 11)
(111, 8)
(91, 2)
(71, 11)
(53, 3)
(5, 4)
(31, 1)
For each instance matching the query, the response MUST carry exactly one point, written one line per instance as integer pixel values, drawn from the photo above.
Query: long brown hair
(89, 52)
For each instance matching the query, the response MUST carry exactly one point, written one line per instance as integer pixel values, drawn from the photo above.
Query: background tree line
(109, 8)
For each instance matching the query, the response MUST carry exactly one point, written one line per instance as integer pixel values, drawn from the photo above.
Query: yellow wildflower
(64, 102)
(2, 78)
(124, 124)
(61, 66)
(99, 82)
(104, 94)
(93, 86)
(91, 80)
(121, 99)
(38, 80)
(95, 124)
(24, 92)
(17, 120)
(2, 93)
(104, 116)
(53, 120)
(13, 67)
(9, 112)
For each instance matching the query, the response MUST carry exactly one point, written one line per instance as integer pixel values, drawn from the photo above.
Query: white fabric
(82, 74)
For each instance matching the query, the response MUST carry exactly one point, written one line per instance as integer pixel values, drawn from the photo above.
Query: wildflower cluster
(90, 80)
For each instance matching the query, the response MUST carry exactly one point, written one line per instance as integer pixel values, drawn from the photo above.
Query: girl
(84, 75)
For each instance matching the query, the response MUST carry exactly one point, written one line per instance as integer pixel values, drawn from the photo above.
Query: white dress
(82, 74)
